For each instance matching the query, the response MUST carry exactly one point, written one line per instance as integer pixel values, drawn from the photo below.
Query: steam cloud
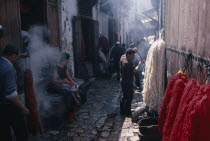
(42, 56)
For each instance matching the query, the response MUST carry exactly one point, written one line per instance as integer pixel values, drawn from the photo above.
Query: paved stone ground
(99, 118)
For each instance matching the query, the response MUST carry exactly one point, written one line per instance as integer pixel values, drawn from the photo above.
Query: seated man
(63, 84)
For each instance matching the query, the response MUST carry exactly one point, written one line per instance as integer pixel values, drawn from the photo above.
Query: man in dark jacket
(116, 54)
(11, 109)
(127, 70)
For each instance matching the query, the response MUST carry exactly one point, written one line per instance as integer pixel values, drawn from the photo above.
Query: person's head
(11, 52)
(117, 44)
(130, 53)
(65, 58)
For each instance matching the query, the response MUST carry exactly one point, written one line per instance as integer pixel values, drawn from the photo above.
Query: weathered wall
(68, 9)
(103, 20)
(10, 20)
(187, 29)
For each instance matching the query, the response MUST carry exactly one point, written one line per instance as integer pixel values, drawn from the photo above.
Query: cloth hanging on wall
(189, 91)
(154, 75)
(184, 112)
(196, 124)
(166, 101)
(83, 48)
(104, 44)
(173, 96)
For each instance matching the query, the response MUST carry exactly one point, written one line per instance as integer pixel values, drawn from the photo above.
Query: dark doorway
(32, 13)
(86, 35)
(41, 12)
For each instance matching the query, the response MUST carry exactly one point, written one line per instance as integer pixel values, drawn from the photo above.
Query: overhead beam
(107, 2)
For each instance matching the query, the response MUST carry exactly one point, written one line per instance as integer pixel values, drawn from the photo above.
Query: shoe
(71, 117)
(74, 116)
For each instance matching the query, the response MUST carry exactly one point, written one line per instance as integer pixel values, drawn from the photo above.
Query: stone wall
(68, 9)
(103, 20)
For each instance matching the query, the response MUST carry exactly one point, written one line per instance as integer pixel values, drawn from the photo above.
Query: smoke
(42, 58)
(134, 24)
(132, 21)
(41, 53)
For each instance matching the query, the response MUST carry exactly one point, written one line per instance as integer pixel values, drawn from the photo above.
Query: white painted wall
(103, 20)
(68, 9)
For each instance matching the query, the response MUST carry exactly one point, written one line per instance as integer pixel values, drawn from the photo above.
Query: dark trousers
(12, 118)
(137, 79)
(69, 99)
(70, 102)
(117, 69)
(127, 97)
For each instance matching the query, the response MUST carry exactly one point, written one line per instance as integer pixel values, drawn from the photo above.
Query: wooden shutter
(77, 43)
(10, 20)
(95, 47)
(53, 22)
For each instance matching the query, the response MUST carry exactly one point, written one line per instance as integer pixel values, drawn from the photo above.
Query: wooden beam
(107, 2)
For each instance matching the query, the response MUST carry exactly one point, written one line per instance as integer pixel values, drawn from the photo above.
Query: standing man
(135, 61)
(116, 54)
(127, 70)
(11, 109)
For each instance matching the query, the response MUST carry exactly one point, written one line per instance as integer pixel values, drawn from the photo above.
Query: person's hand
(65, 81)
(68, 82)
(76, 86)
(141, 62)
(25, 111)
(135, 49)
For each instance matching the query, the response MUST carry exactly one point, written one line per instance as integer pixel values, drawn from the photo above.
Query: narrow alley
(99, 119)
(104, 70)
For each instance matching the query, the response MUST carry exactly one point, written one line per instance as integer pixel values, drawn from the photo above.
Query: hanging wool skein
(155, 75)
(33, 120)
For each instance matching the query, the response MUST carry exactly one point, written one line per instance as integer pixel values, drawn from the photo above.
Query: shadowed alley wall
(187, 29)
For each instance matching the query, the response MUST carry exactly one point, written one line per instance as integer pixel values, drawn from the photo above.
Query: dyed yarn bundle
(184, 114)
(154, 75)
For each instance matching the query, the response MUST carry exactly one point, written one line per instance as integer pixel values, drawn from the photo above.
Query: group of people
(126, 65)
(119, 50)
(109, 59)
(13, 111)
(116, 53)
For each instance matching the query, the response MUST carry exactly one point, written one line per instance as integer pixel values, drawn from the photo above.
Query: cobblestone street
(99, 118)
